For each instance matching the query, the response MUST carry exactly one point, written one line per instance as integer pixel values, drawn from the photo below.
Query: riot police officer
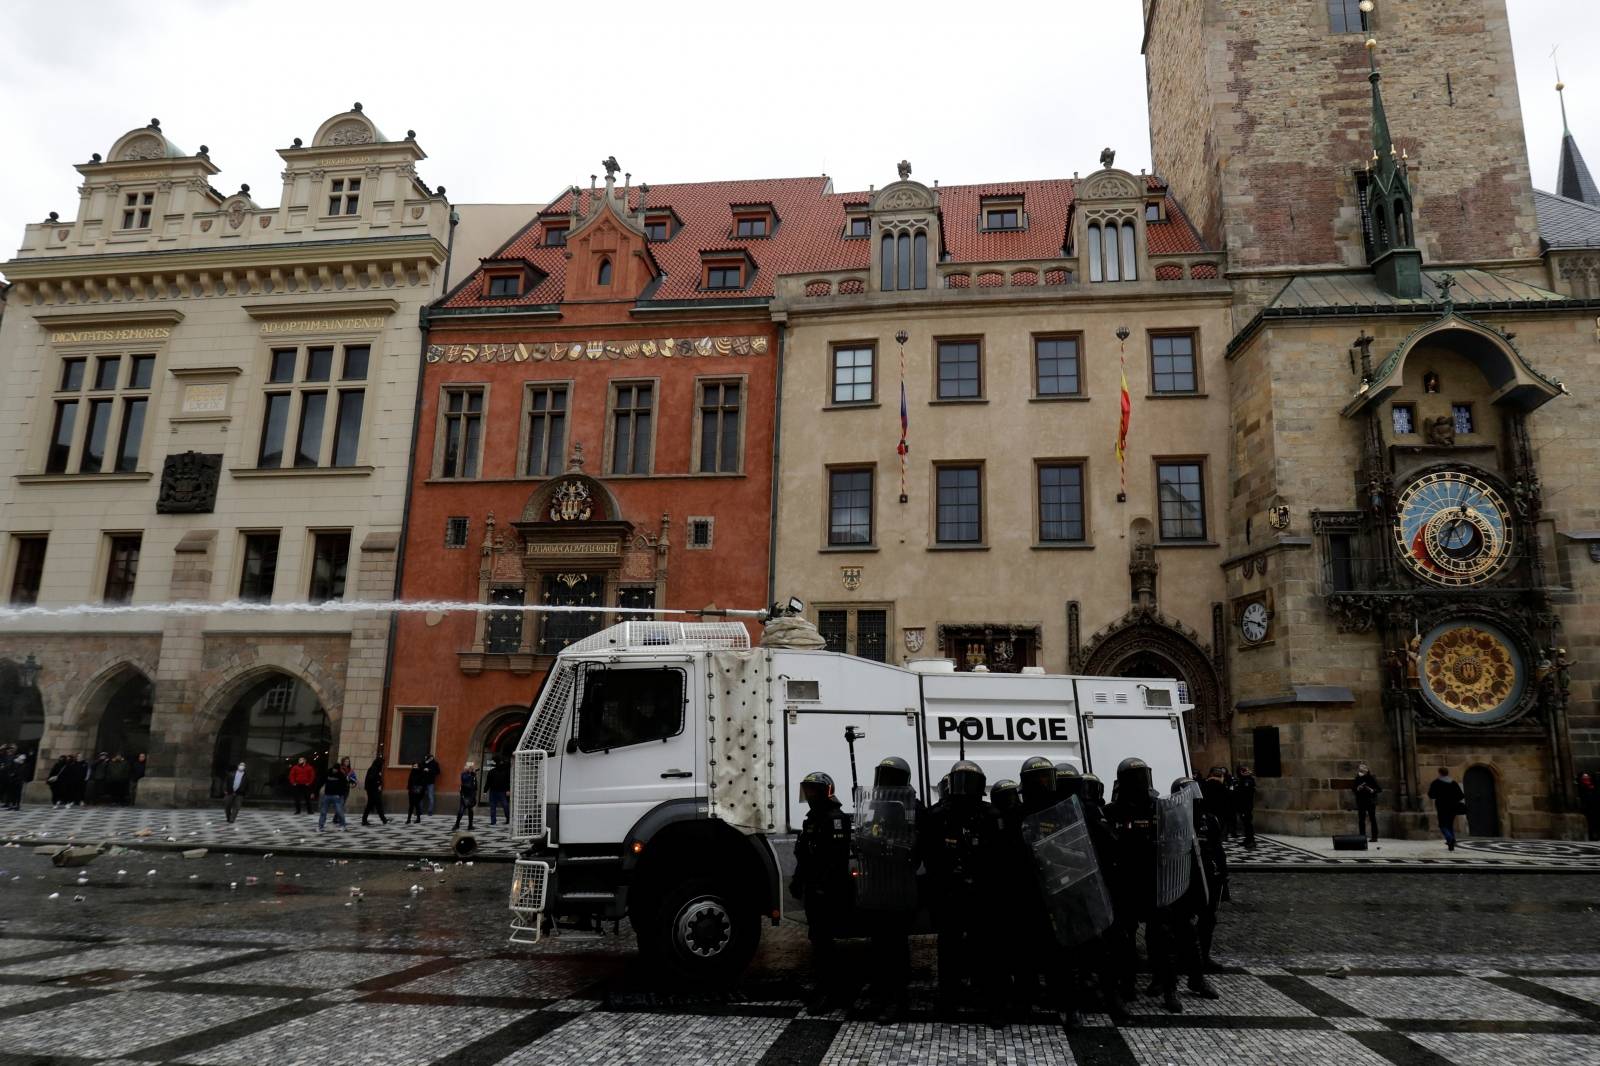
(1028, 924)
(1213, 859)
(886, 891)
(822, 881)
(1102, 953)
(1038, 784)
(1006, 798)
(960, 843)
(1094, 796)
(1132, 817)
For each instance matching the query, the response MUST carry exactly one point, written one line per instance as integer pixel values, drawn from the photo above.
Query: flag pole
(1127, 413)
(903, 447)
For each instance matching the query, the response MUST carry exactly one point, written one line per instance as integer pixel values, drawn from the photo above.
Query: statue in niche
(1430, 381)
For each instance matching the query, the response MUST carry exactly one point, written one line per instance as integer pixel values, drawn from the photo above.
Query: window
(630, 428)
(849, 507)
(463, 432)
(1060, 503)
(751, 226)
(122, 567)
(1180, 489)
(1341, 561)
(1002, 218)
(561, 628)
(603, 275)
(547, 431)
(555, 236)
(1152, 212)
(344, 196)
(505, 285)
(700, 533)
(852, 374)
(330, 561)
(657, 229)
(327, 420)
(111, 413)
(1055, 366)
(725, 276)
(1346, 16)
(623, 707)
(858, 227)
(415, 741)
(719, 427)
(455, 531)
(260, 567)
(136, 209)
(1461, 415)
(1172, 367)
(959, 366)
(1112, 252)
(1404, 418)
(502, 630)
(960, 505)
(27, 573)
(903, 260)
(640, 597)
(861, 631)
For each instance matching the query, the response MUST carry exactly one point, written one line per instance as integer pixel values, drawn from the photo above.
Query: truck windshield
(623, 707)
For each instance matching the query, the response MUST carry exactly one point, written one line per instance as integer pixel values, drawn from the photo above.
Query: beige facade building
(1012, 538)
(210, 398)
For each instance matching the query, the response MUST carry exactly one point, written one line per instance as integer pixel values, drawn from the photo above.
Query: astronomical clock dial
(1453, 529)
(1253, 622)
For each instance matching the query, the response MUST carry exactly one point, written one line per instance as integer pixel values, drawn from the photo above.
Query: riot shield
(1070, 879)
(885, 837)
(1176, 846)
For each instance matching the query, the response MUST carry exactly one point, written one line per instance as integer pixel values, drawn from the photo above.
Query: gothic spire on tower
(1572, 174)
(1386, 198)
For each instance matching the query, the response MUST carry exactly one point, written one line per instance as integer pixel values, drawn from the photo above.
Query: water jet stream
(227, 607)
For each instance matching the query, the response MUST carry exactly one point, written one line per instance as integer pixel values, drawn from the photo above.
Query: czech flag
(905, 421)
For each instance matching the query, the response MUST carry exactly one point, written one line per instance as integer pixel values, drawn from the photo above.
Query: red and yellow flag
(1122, 428)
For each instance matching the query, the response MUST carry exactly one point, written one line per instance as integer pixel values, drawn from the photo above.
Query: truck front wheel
(704, 932)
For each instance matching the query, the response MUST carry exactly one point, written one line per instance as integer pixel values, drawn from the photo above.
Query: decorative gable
(608, 250)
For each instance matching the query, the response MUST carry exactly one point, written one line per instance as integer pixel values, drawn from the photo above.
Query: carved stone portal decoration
(189, 483)
(571, 502)
(665, 348)
(1110, 185)
(236, 214)
(916, 638)
(851, 576)
(350, 132)
(144, 148)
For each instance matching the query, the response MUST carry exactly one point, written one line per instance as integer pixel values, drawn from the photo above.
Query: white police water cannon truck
(662, 759)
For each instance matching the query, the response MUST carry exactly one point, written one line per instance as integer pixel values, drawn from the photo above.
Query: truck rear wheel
(703, 932)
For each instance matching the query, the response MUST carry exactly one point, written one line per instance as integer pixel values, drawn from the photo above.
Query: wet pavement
(246, 959)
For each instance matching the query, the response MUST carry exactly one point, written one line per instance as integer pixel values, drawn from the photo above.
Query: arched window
(1402, 236)
(1109, 241)
(1130, 261)
(604, 277)
(903, 260)
(919, 269)
(1095, 271)
(886, 262)
(902, 273)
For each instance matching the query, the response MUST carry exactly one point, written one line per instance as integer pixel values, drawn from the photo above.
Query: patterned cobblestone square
(1460, 998)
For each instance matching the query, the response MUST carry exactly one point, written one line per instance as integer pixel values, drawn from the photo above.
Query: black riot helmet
(967, 780)
(1038, 777)
(815, 788)
(1181, 783)
(1133, 781)
(944, 787)
(1094, 789)
(1004, 795)
(893, 772)
(1069, 782)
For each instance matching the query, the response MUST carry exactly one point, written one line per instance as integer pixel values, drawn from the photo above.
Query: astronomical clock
(1453, 529)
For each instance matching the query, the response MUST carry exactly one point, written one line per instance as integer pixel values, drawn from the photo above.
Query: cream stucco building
(210, 397)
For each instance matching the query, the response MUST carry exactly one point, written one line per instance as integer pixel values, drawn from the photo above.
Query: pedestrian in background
(95, 785)
(1448, 799)
(374, 787)
(335, 790)
(302, 778)
(76, 777)
(57, 783)
(136, 772)
(498, 781)
(1366, 788)
(118, 775)
(1589, 803)
(1244, 801)
(11, 765)
(416, 793)
(431, 767)
(233, 786)
(469, 794)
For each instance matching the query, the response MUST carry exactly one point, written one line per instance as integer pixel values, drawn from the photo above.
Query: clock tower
(1410, 478)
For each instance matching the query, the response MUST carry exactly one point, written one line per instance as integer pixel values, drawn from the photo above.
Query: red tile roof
(810, 234)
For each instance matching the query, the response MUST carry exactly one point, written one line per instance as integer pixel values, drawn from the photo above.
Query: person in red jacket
(301, 777)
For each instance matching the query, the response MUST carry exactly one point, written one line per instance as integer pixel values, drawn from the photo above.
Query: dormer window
(858, 226)
(603, 275)
(555, 236)
(658, 227)
(344, 196)
(903, 259)
(725, 272)
(136, 209)
(505, 285)
(750, 221)
(1112, 252)
(1002, 213)
(1152, 211)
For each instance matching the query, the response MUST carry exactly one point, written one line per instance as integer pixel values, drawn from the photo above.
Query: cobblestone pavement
(247, 959)
(282, 832)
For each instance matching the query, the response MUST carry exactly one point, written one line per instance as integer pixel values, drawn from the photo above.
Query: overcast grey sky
(515, 101)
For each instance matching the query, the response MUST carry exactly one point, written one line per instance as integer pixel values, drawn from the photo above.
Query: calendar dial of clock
(1453, 529)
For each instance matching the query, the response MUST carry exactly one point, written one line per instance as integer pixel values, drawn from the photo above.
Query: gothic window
(1112, 251)
(462, 430)
(547, 430)
(100, 417)
(631, 408)
(603, 276)
(1346, 16)
(903, 260)
(719, 427)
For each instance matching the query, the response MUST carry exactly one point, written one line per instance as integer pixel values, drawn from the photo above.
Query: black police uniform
(960, 844)
(822, 881)
(1131, 816)
(890, 949)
